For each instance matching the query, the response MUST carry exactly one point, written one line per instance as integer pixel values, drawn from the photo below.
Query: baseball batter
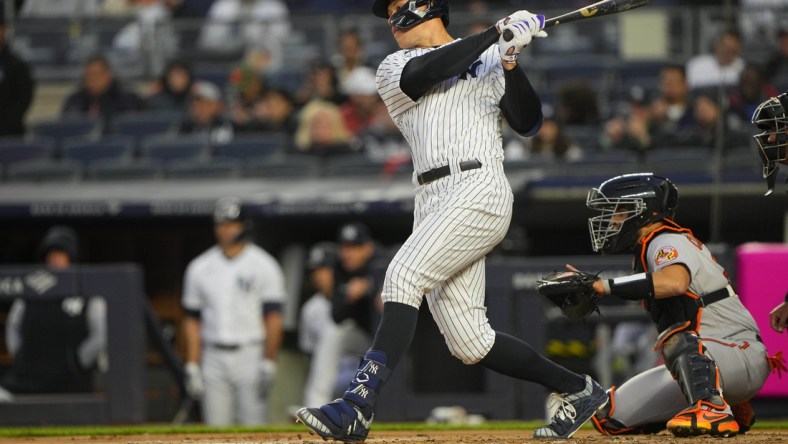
(232, 299)
(448, 97)
(709, 341)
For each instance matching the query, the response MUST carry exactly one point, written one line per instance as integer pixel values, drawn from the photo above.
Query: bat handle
(507, 35)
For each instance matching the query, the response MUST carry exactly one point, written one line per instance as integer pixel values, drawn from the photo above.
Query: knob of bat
(507, 35)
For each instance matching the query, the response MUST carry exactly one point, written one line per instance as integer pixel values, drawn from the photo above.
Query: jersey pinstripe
(458, 119)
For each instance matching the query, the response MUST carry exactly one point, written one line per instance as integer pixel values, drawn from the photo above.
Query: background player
(230, 351)
(447, 97)
(708, 339)
(772, 119)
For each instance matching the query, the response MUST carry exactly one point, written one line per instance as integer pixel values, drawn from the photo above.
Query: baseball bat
(598, 9)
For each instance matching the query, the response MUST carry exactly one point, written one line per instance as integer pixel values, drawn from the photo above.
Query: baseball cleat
(704, 418)
(339, 421)
(744, 415)
(570, 411)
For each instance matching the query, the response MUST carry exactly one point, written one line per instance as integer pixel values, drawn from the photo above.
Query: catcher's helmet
(634, 200)
(413, 12)
(770, 117)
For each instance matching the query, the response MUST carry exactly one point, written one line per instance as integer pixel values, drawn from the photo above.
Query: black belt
(714, 296)
(228, 347)
(441, 172)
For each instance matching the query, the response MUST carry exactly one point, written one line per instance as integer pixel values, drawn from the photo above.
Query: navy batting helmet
(771, 118)
(413, 12)
(59, 238)
(230, 209)
(628, 203)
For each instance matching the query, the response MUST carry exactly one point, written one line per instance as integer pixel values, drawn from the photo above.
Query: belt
(224, 347)
(441, 172)
(715, 296)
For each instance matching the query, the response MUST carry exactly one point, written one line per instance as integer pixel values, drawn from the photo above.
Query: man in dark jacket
(16, 87)
(100, 95)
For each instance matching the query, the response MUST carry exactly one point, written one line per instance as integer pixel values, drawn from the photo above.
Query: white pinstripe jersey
(456, 120)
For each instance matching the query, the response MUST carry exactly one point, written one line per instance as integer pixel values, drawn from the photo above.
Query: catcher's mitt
(571, 291)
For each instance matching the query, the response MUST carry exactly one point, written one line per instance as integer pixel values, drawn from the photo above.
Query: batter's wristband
(635, 287)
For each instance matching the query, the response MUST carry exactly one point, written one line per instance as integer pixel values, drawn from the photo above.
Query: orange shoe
(704, 418)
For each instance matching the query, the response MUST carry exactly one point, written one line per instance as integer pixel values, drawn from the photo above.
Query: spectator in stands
(631, 129)
(172, 92)
(671, 111)
(351, 54)
(777, 66)
(723, 67)
(150, 37)
(711, 125)
(100, 95)
(69, 9)
(16, 87)
(382, 141)
(577, 103)
(321, 130)
(264, 25)
(56, 343)
(275, 112)
(248, 89)
(550, 143)
(355, 307)
(752, 89)
(363, 103)
(321, 83)
(206, 115)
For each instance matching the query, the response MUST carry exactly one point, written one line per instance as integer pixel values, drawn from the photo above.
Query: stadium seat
(166, 149)
(124, 170)
(247, 147)
(202, 169)
(87, 151)
(670, 160)
(18, 149)
(290, 166)
(144, 125)
(44, 170)
(59, 129)
(352, 165)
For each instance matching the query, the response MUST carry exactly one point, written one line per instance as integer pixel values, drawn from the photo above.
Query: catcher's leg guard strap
(696, 373)
(369, 380)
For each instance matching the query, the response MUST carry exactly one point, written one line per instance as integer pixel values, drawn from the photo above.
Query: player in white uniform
(232, 300)
(448, 97)
(709, 341)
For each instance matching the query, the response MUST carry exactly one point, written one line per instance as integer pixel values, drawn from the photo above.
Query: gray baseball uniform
(726, 328)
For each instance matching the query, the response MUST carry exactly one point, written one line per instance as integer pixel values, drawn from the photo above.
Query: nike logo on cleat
(714, 416)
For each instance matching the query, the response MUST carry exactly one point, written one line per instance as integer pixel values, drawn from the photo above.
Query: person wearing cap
(355, 308)
(57, 344)
(16, 87)
(206, 114)
(232, 302)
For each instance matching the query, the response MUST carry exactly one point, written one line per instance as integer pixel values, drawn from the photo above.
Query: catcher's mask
(413, 12)
(628, 203)
(770, 117)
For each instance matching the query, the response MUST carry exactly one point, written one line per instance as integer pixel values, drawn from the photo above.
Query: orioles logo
(665, 255)
(588, 12)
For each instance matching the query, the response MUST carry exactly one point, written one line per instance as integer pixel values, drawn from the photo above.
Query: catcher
(709, 341)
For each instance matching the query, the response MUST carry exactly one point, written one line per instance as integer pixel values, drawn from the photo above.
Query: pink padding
(762, 281)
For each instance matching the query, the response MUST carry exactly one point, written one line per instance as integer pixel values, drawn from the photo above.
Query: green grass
(44, 431)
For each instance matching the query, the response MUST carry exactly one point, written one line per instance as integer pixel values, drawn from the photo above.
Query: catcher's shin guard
(695, 372)
(605, 424)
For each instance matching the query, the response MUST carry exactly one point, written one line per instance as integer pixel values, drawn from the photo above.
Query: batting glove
(518, 16)
(194, 382)
(267, 372)
(522, 32)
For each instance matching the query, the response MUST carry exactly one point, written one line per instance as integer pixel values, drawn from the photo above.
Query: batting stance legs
(458, 221)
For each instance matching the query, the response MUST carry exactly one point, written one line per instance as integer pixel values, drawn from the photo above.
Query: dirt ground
(404, 437)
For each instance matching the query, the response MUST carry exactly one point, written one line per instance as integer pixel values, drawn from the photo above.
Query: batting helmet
(413, 12)
(230, 209)
(770, 117)
(628, 203)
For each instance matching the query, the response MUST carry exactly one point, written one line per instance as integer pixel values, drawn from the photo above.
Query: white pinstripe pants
(457, 221)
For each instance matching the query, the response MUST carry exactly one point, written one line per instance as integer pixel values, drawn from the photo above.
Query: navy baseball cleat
(340, 420)
(570, 411)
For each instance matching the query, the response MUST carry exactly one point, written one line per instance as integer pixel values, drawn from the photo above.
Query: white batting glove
(267, 372)
(195, 386)
(517, 16)
(522, 32)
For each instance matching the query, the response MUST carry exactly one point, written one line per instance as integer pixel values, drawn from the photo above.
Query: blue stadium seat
(124, 170)
(44, 170)
(672, 160)
(14, 149)
(290, 166)
(204, 169)
(166, 149)
(64, 127)
(247, 147)
(144, 125)
(352, 165)
(87, 151)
